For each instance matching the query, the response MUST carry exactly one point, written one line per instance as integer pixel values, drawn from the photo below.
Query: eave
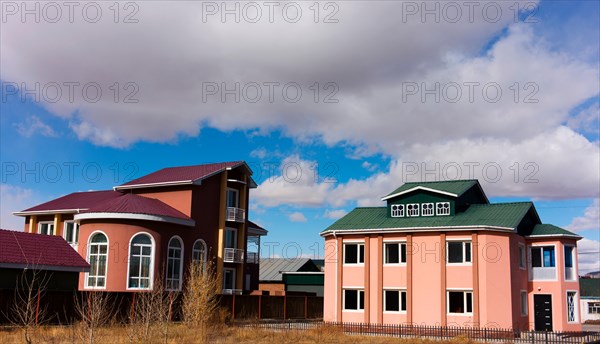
(337, 232)
(133, 216)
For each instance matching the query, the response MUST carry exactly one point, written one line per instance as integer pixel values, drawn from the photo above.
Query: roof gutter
(417, 229)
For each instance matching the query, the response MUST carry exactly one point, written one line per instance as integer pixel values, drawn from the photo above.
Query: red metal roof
(182, 174)
(135, 204)
(76, 200)
(45, 252)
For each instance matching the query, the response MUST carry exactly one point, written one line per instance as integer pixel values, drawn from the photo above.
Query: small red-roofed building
(51, 255)
(152, 228)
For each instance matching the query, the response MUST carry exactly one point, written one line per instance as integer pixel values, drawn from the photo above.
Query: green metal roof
(548, 229)
(589, 287)
(506, 215)
(457, 187)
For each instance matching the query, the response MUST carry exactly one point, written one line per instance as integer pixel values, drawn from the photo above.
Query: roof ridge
(444, 181)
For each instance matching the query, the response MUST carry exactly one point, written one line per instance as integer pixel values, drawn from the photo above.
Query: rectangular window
(395, 253)
(397, 210)
(354, 253)
(594, 307)
(442, 208)
(394, 300)
(569, 269)
(412, 209)
(571, 306)
(228, 279)
(458, 252)
(524, 311)
(232, 198)
(354, 299)
(460, 302)
(46, 228)
(522, 264)
(230, 238)
(427, 209)
(71, 232)
(542, 257)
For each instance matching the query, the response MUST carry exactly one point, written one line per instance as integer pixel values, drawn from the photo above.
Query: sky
(332, 104)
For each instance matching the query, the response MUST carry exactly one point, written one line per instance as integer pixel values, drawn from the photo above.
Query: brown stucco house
(154, 226)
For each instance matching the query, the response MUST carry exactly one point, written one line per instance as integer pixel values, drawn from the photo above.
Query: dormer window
(442, 208)
(427, 209)
(412, 209)
(398, 210)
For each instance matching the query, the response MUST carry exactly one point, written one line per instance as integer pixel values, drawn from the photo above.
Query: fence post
(259, 306)
(305, 307)
(133, 307)
(284, 306)
(233, 306)
(37, 308)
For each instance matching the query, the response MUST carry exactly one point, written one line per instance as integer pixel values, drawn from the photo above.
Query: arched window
(174, 264)
(97, 256)
(141, 253)
(199, 251)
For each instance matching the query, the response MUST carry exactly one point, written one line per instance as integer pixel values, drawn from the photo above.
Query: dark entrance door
(542, 306)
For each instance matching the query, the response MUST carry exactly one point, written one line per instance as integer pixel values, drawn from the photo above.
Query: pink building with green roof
(439, 253)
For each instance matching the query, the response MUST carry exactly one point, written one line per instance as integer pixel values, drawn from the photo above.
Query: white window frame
(87, 274)
(464, 256)
(400, 210)
(400, 244)
(50, 224)
(438, 213)
(151, 267)
(359, 290)
(237, 197)
(423, 209)
(400, 292)
(575, 306)
(524, 303)
(75, 230)
(416, 206)
(358, 245)
(465, 292)
(181, 252)
(522, 256)
(573, 260)
(593, 307)
(542, 246)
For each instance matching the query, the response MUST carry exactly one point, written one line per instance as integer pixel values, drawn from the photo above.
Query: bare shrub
(200, 298)
(26, 311)
(95, 309)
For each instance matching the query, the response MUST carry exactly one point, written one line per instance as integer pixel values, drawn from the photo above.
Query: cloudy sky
(333, 104)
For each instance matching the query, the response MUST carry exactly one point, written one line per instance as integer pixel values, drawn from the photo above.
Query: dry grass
(179, 333)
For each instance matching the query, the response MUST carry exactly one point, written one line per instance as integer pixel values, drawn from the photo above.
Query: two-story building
(439, 253)
(154, 226)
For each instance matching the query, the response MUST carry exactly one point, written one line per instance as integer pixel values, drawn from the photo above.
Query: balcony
(236, 214)
(231, 292)
(543, 273)
(233, 255)
(252, 258)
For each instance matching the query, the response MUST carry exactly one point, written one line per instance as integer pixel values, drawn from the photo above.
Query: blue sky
(379, 123)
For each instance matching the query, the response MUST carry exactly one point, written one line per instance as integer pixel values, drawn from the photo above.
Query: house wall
(493, 276)
(119, 235)
(557, 288)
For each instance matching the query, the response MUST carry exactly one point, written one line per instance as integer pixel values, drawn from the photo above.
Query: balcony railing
(232, 291)
(233, 255)
(543, 273)
(236, 214)
(252, 257)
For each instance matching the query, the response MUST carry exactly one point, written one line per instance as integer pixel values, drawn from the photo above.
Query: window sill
(461, 314)
(394, 264)
(394, 312)
(459, 264)
(353, 310)
(353, 264)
